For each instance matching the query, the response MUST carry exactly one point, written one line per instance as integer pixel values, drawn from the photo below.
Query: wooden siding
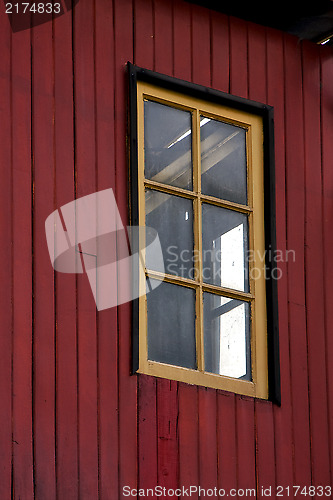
(73, 422)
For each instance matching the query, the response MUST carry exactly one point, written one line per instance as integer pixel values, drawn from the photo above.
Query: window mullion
(196, 154)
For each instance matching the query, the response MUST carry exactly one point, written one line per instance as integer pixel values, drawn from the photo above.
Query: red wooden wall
(73, 422)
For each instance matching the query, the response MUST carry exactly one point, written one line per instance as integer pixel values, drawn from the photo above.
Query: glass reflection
(171, 328)
(225, 247)
(227, 336)
(168, 145)
(223, 161)
(172, 217)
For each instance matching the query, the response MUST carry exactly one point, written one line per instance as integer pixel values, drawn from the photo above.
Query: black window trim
(136, 74)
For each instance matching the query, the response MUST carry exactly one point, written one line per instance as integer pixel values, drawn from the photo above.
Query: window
(197, 178)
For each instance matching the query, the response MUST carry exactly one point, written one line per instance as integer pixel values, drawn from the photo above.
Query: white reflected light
(326, 40)
(203, 121)
(233, 341)
(232, 261)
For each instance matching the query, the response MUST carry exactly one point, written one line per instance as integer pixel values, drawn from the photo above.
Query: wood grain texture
(207, 437)
(226, 441)
(188, 409)
(66, 323)
(147, 430)
(163, 42)
(264, 424)
(207, 419)
(85, 161)
(245, 411)
(6, 298)
(144, 49)
(220, 47)
(238, 57)
(167, 434)
(107, 347)
(226, 433)
(188, 436)
(182, 29)
(43, 274)
(296, 275)
(23, 469)
(127, 386)
(166, 391)
(283, 415)
(314, 283)
(144, 33)
(327, 191)
(201, 50)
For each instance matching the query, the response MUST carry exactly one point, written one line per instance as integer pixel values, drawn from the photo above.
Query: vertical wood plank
(294, 164)
(6, 259)
(147, 438)
(167, 400)
(22, 271)
(188, 436)
(295, 241)
(201, 50)
(257, 63)
(144, 33)
(201, 73)
(147, 403)
(265, 453)
(327, 182)
(226, 441)
(245, 423)
(107, 319)
(220, 51)
(188, 419)
(86, 183)
(265, 446)
(66, 325)
(283, 415)
(167, 410)
(238, 57)
(44, 329)
(315, 297)
(226, 417)
(207, 438)
(123, 19)
(246, 446)
(182, 40)
(163, 36)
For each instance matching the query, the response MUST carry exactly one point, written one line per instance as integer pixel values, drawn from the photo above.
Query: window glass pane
(171, 325)
(168, 145)
(225, 248)
(223, 161)
(172, 217)
(227, 336)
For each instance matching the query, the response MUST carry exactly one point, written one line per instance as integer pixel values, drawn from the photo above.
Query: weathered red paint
(73, 422)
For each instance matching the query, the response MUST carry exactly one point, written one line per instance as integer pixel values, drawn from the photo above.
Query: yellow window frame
(253, 124)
